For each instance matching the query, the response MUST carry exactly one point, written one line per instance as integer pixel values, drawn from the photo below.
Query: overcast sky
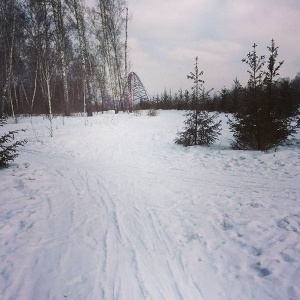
(166, 35)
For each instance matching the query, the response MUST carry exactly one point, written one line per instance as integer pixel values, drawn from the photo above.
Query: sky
(165, 36)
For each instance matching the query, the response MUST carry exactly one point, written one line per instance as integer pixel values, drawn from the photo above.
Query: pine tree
(200, 127)
(8, 146)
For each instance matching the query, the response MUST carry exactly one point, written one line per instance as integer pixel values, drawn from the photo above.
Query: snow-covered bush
(152, 112)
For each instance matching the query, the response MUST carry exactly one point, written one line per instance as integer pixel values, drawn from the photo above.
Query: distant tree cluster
(227, 100)
(181, 100)
(60, 57)
(264, 113)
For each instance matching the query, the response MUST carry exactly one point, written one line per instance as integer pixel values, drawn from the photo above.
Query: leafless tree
(8, 30)
(60, 33)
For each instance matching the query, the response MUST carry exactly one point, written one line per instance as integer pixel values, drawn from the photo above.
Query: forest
(61, 57)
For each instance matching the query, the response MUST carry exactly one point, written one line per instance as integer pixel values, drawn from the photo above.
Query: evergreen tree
(235, 95)
(224, 102)
(8, 146)
(261, 121)
(200, 127)
(272, 68)
(296, 87)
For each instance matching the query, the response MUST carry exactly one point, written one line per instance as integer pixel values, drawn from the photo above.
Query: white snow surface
(114, 209)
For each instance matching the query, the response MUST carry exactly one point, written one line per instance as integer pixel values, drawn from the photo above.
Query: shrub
(152, 112)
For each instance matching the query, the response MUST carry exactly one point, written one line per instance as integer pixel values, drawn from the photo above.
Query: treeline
(228, 100)
(60, 57)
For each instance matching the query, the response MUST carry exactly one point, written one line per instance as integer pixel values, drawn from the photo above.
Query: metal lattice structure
(137, 91)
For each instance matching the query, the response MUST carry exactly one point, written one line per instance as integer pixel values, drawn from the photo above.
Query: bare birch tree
(83, 53)
(112, 21)
(60, 33)
(45, 48)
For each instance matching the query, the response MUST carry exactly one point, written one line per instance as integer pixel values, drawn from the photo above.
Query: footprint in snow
(290, 223)
(256, 251)
(261, 272)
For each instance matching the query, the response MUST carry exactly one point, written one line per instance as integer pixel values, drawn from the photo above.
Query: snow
(114, 209)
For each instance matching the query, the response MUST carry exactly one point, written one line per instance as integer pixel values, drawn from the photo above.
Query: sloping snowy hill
(115, 210)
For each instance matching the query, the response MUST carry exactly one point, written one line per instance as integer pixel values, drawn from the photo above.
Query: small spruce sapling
(8, 145)
(200, 127)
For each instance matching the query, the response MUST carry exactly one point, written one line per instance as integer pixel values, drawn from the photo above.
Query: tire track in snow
(121, 239)
(127, 239)
(145, 246)
(152, 246)
(117, 241)
(131, 243)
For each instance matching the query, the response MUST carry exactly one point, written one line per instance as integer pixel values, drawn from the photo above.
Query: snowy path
(116, 210)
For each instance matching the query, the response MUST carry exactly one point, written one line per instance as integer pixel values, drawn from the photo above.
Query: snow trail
(116, 210)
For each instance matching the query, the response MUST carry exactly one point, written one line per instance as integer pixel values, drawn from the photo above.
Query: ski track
(126, 214)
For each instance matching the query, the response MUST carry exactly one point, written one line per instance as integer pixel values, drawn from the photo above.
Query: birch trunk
(83, 52)
(59, 23)
(34, 89)
(106, 20)
(50, 105)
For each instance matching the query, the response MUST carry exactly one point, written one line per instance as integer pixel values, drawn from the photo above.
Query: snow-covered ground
(115, 210)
